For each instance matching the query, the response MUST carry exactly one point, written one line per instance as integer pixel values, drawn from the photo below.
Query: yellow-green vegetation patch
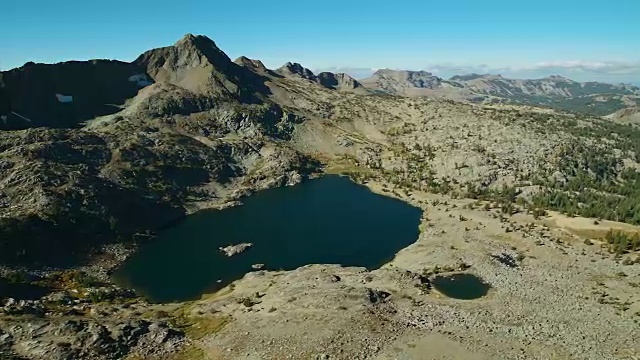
(219, 294)
(346, 166)
(591, 234)
(73, 279)
(190, 352)
(620, 241)
(198, 327)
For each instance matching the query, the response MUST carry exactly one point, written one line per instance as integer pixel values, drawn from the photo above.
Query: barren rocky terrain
(626, 115)
(559, 299)
(541, 205)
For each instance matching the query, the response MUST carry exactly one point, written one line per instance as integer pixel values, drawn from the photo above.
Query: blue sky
(587, 40)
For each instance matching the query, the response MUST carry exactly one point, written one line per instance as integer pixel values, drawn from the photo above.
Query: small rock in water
(232, 250)
(257, 266)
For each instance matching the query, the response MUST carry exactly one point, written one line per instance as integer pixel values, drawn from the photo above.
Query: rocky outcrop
(339, 81)
(296, 70)
(405, 83)
(233, 250)
(254, 65)
(88, 339)
(626, 115)
(329, 80)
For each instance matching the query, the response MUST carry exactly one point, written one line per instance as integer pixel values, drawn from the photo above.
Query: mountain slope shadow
(64, 95)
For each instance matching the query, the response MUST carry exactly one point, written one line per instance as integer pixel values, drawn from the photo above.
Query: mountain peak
(338, 81)
(290, 69)
(255, 65)
(196, 41)
(195, 63)
(188, 37)
(201, 45)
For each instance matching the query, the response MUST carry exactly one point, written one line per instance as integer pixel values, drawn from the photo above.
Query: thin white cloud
(612, 67)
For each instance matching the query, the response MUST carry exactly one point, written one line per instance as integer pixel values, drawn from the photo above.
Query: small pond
(329, 220)
(461, 286)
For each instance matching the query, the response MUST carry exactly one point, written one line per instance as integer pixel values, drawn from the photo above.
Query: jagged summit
(329, 80)
(194, 63)
(295, 69)
(205, 46)
(338, 81)
(252, 63)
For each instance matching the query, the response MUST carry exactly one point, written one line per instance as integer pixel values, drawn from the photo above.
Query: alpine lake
(329, 220)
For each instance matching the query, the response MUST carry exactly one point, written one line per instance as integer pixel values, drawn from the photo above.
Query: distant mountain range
(553, 91)
(65, 94)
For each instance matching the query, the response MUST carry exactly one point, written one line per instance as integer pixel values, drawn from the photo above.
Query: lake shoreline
(342, 206)
(101, 262)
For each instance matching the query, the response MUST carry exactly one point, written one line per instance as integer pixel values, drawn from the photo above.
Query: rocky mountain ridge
(329, 80)
(552, 91)
(400, 82)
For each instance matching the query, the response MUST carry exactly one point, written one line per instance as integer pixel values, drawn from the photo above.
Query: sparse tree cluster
(620, 241)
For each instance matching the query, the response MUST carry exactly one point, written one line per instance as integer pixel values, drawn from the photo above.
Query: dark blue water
(330, 220)
(21, 290)
(461, 286)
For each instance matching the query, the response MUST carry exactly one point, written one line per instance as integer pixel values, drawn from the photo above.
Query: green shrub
(620, 241)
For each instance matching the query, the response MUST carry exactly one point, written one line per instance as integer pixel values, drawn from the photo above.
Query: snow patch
(140, 79)
(64, 98)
